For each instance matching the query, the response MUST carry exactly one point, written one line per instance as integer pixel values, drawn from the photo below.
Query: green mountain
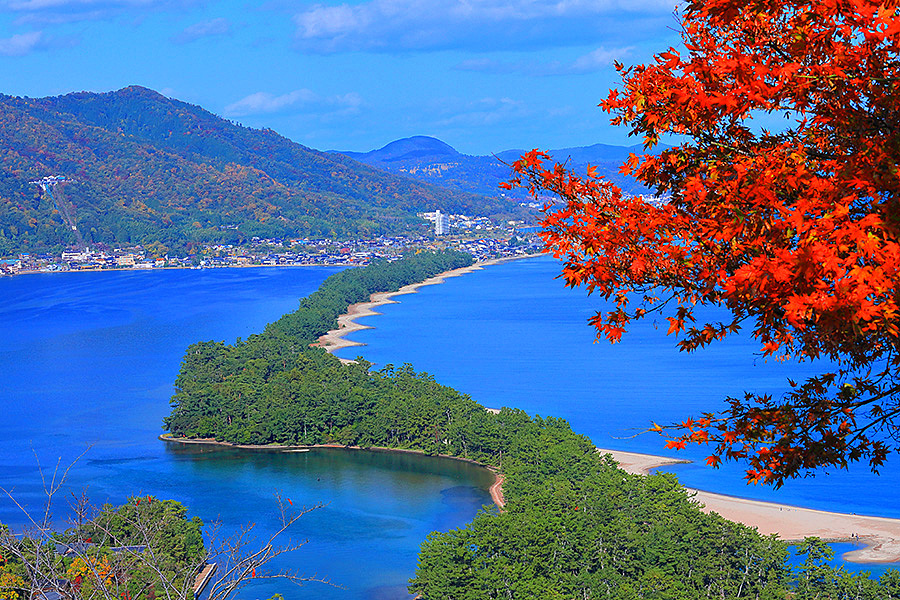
(432, 161)
(144, 168)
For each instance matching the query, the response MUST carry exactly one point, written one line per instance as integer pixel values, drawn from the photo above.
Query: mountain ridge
(431, 160)
(411, 147)
(151, 169)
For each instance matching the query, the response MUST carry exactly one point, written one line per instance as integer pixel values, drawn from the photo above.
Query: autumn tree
(794, 230)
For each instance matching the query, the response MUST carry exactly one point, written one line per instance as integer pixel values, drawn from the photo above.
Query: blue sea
(514, 335)
(87, 362)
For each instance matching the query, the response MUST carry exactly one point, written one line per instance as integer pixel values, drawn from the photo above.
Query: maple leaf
(796, 232)
(675, 325)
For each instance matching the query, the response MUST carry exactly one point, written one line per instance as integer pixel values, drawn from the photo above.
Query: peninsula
(565, 506)
(336, 339)
(790, 523)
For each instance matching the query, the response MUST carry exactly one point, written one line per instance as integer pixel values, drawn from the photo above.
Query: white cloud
(297, 100)
(351, 100)
(53, 12)
(329, 21)
(479, 113)
(431, 24)
(203, 29)
(60, 17)
(264, 102)
(488, 65)
(35, 5)
(587, 63)
(598, 59)
(21, 5)
(20, 44)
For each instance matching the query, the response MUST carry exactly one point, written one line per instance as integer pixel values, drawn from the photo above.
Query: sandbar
(336, 338)
(496, 489)
(791, 523)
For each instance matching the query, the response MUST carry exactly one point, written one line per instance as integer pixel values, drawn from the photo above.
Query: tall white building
(440, 220)
(441, 223)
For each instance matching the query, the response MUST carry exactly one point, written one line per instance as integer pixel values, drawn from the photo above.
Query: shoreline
(791, 523)
(236, 266)
(495, 490)
(179, 268)
(336, 338)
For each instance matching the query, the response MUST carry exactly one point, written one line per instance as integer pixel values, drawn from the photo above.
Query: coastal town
(477, 236)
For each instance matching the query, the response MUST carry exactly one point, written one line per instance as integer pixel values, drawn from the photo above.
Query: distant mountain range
(149, 169)
(432, 161)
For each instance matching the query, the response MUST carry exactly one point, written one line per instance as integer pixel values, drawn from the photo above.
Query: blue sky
(482, 75)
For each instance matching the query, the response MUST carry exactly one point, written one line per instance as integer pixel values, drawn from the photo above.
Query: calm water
(511, 335)
(88, 359)
(87, 362)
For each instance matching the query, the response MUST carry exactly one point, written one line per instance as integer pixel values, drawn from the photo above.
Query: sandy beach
(496, 490)
(881, 535)
(791, 523)
(336, 338)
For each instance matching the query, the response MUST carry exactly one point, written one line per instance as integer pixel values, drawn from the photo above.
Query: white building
(441, 223)
(126, 260)
(440, 220)
(76, 256)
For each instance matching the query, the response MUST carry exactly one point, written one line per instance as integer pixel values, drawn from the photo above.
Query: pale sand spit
(882, 535)
(336, 338)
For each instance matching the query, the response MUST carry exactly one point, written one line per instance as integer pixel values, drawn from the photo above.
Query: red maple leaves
(795, 232)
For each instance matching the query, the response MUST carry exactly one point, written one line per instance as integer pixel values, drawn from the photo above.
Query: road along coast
(336, 338)
(881, 535)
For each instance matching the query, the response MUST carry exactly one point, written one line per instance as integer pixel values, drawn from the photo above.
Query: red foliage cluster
(794, 231)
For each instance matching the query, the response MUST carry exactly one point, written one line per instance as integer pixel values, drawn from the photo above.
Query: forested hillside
(147, 168)
(145, 549)
(574, 525)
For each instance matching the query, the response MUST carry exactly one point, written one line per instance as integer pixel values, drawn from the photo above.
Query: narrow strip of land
(496, 490)
(203, 578)
(336, 338)
(881, 535)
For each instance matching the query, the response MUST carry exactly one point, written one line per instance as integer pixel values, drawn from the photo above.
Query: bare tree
(146, 549)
